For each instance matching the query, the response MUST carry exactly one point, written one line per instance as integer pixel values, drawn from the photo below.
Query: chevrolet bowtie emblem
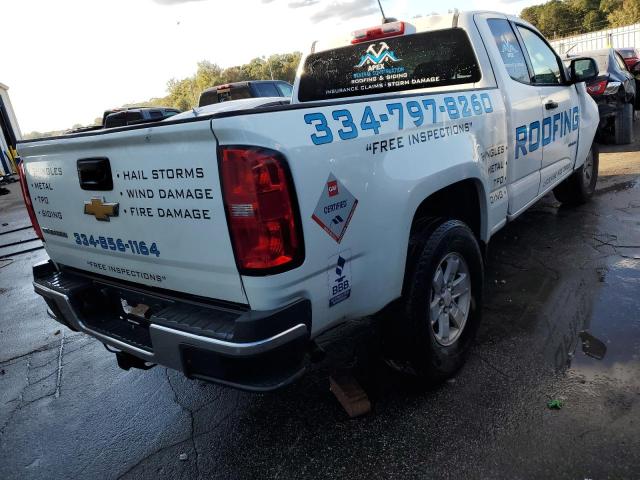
(101, 210)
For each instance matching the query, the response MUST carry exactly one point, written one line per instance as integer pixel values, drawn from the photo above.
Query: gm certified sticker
(335, 208)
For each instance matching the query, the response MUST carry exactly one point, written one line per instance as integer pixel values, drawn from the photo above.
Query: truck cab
(249, 89)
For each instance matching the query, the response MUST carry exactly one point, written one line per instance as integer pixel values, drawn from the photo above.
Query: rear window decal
(427, 59)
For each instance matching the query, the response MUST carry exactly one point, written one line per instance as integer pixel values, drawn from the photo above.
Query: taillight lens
(27, 201)
(261, 210)
(597, 88)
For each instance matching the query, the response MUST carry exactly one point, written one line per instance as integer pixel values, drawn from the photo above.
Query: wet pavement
(561, 322)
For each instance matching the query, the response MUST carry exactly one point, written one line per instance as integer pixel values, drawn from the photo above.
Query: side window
(510, 50)
(546, 68)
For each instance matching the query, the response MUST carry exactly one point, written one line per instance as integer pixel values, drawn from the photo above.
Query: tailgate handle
(95, 174)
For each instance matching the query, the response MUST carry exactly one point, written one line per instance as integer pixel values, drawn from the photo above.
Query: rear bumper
(251, 350)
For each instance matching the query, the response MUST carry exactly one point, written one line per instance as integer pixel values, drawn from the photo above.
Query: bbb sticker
(339, 277)
(335, 208)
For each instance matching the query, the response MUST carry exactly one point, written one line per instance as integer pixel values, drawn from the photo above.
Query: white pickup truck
(222, 241)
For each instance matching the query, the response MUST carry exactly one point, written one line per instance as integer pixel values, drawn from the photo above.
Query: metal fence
(620, 37)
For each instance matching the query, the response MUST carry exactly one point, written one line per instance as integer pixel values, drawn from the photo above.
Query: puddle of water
(610, 341)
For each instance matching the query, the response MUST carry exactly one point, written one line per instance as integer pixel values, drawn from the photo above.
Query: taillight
(374, 33)
(603, 87)
(597, 88)
(27, 201)
(261, 210)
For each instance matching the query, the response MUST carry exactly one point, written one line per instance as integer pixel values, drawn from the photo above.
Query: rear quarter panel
(389, 185)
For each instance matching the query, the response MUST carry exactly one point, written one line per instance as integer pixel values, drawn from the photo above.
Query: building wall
(12, 115)
(5, 163)
(620, 37)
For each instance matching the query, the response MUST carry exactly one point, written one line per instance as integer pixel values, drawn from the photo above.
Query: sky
(66, 61)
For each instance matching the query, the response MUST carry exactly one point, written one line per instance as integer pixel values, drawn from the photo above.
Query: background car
(129, 116)
(629, 55)
(119, 117)
(250, 89)
(614, 90)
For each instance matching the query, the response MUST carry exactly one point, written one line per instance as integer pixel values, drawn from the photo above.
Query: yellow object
(13, 155)
(100, 209)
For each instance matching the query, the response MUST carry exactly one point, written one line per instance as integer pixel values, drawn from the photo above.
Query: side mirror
(635, 69)
(583, 69)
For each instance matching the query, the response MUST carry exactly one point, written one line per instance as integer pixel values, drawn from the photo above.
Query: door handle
(551, 105)
(95, 174)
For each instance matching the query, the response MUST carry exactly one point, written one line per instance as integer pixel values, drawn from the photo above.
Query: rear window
(627, 53)
(208, 97)
(285, 89)
(601, 60)
(421, 60)
(235, 93)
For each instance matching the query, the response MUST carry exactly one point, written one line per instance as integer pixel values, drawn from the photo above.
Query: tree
(553, 18)
(532, 15)
(560, 18)
(626, 14)
(184, 93)
(207, 75)
(588, 14)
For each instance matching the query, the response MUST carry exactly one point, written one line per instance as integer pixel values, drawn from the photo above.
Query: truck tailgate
(142, 205)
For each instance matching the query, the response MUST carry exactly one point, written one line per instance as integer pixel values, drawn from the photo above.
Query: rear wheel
(441, 305)
(624, 125)
(579, 187)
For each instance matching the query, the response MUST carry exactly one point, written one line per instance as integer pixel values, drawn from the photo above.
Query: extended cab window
(421, 60)
(546, 68)
(509, 49)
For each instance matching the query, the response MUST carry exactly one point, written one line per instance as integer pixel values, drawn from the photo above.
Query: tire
(579, 187)
(624, 125)
(432, 351)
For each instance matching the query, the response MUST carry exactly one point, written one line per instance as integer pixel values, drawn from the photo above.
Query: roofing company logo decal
(335, 208)
(376, 66)
(373, 57)
(507, 49)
